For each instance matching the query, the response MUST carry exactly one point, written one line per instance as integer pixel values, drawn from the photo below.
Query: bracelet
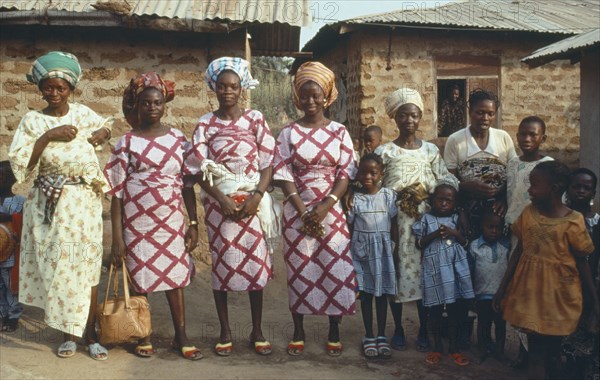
(193, 223)
(304, 213)
(420, 244)
(290, 195)
(109, 132)
(262, 193)
(466, 243)
(334, 197)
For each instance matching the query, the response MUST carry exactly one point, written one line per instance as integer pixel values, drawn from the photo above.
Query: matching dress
(240, 256)
(145, 172)
(372, 246)
(321, 277)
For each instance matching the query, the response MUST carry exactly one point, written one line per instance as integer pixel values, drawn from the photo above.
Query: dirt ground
(30, 352)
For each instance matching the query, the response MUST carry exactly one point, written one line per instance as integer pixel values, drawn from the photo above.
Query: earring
(325, 100)
(591, 202)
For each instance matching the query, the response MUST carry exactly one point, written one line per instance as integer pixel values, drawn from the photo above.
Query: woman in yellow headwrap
(313, 167)
(61, 245)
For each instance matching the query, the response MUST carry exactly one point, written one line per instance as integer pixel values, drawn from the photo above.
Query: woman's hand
(118, 251)
(499, 208)
(191, 238)
(479, 189)
(320, 210)
(250, 206)
(228, 207)
(64, 133)
(99, 137)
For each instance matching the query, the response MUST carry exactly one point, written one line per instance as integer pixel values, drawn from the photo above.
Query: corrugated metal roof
(555, 16)
(292, 12)
(564, 47)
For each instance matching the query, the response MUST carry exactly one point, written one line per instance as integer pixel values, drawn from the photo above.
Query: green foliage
(273, 96)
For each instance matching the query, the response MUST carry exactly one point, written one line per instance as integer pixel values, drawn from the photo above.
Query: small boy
(372, 138)
(531, 134)
(10, 308)
(488, 258)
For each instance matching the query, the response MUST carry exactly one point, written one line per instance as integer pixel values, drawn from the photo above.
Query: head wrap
(137, 86)
(400, 97)
(321, 75)
(55, 64)
(238, 65)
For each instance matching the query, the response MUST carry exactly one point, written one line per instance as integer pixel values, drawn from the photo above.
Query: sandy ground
(30, 351)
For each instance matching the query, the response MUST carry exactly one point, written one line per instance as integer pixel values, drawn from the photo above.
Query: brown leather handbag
(122, 319)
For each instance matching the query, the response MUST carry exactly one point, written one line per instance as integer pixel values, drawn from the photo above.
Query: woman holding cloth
(313, 167)
(61, 243)
(145, 175)
(412, 169)
(232, 155)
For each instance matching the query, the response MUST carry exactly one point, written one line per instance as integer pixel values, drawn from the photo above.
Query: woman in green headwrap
(61, 246)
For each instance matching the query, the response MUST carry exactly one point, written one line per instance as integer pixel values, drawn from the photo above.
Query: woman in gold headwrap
(313, 167)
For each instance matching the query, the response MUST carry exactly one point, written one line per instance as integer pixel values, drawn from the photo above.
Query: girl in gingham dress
(445, 275)
(371, 218)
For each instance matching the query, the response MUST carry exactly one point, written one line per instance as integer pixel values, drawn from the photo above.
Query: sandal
(144, 350)
(459, 359)
(423, 344)
(433, 357)
(262, 348)
(10, 326)
(295, 347)
(334, 348)
(97, 352)
(67, 349)
(224, 349)
(369, 346)
(399, 342)
(188, 352)
(383, 347)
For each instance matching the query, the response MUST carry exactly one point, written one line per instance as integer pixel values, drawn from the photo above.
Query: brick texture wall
(109, 60)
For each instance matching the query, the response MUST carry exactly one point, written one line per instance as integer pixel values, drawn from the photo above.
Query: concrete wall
(550, 91)
(110, 58)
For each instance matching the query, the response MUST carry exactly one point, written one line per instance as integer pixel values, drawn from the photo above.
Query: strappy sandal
(433, 357)
(97, 352)
(262, 348)
(224, 349)
(144, 350)
(369, 346)
(459, 359)
(334, 348)
(295, 347)
(10, 326)
(383, 347)
(67, 349)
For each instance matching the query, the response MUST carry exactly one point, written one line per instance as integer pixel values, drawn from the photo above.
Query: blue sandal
(399, 342)
(383, 348)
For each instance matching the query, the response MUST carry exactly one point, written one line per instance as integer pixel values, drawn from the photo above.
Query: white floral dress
(61, 261)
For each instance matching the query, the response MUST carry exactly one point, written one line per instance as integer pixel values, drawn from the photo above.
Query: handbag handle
(116, 284)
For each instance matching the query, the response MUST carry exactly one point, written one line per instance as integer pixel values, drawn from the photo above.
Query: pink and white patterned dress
(146, 174)
(321, 277)
(245, 146)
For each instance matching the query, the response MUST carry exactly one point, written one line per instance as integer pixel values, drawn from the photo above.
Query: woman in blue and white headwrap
(231, 158)
(61, 243)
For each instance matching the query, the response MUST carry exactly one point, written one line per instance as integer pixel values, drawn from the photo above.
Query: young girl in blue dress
(371, 218)
(445, 276)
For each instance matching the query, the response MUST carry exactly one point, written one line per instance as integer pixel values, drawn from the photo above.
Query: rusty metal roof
(567, 48)
(292, 12)
(555, 16)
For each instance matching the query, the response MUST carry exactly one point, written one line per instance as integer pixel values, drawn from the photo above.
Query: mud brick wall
(550, 91)
(109, 60)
